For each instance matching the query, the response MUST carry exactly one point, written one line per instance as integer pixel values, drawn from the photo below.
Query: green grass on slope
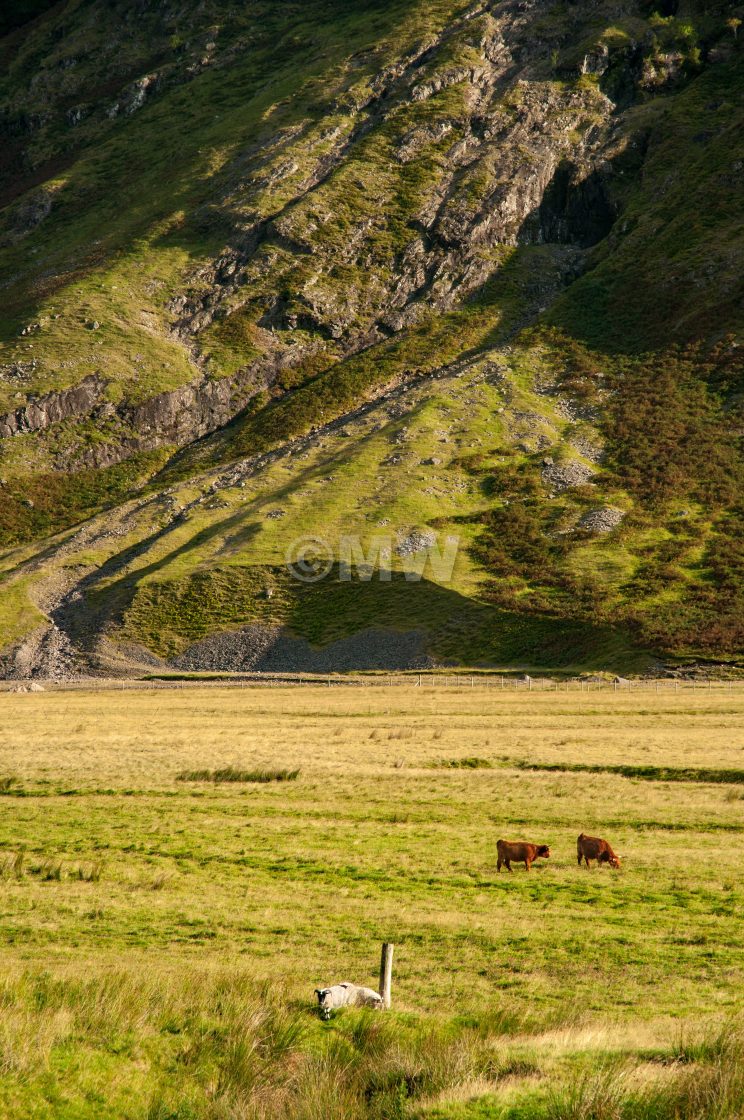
(668, 423)
(426, 348)
(674, 568)
(671, 574)
(37, 506)
(169, 615)
(116, 255)
(18, 613)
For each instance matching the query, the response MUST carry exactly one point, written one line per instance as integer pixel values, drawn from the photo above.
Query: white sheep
(346, 995)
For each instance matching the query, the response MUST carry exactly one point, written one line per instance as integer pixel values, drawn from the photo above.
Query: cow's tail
(578, 847)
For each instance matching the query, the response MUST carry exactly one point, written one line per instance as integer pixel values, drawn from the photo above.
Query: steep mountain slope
(279, 270)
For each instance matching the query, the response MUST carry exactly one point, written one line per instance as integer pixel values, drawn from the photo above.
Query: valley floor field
(161, 936)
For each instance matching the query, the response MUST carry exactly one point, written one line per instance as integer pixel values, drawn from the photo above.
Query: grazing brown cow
(591, 847)
(520, 852)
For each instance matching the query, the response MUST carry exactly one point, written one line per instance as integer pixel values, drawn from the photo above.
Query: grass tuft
(50, 871)
(473, 763)
(11, 867)
(88, 872)
(233, 774)
(645, 773)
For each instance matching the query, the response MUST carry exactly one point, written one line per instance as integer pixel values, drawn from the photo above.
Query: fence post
(386, 973)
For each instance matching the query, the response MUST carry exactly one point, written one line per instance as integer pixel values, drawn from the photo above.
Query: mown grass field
(162, 937)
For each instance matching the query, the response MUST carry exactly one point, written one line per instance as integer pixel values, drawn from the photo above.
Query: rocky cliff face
(499, 154)
(39, 413)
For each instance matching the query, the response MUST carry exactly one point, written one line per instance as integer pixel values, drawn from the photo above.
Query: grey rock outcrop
(599, 521)
(176, 417)
(418, 540)
(563, 476)
(40, 412)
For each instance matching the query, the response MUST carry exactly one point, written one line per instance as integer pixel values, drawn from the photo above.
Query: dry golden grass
(178, 882)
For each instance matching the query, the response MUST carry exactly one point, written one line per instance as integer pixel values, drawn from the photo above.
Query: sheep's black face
(325, 1002)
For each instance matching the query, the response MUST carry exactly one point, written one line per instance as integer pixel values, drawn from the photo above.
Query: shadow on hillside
(339, 623)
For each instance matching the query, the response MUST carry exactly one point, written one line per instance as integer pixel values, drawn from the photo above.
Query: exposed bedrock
(174, 417)
(39, 413)
(520, 160)
(575, 209)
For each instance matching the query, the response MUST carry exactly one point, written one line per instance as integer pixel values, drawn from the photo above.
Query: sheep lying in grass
(346, 995)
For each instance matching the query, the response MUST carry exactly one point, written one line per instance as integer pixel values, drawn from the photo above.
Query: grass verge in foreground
(211, 1045)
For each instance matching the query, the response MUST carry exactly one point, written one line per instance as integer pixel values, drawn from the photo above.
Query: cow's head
(614, 860)
(325, 1002)
(543, 850)
(609, 857)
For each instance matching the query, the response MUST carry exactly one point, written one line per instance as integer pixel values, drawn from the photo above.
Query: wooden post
(386, 973)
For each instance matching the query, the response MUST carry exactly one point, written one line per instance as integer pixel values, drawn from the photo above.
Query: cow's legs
(527, 865)
(508, 865)
(498, 864)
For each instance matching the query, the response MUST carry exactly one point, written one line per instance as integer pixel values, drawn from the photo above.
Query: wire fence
(431, 680)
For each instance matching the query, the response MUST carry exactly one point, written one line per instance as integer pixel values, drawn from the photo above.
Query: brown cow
(520, 852)
(591, 847)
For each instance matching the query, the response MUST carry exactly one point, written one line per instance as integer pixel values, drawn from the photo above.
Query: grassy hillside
(239, 226)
